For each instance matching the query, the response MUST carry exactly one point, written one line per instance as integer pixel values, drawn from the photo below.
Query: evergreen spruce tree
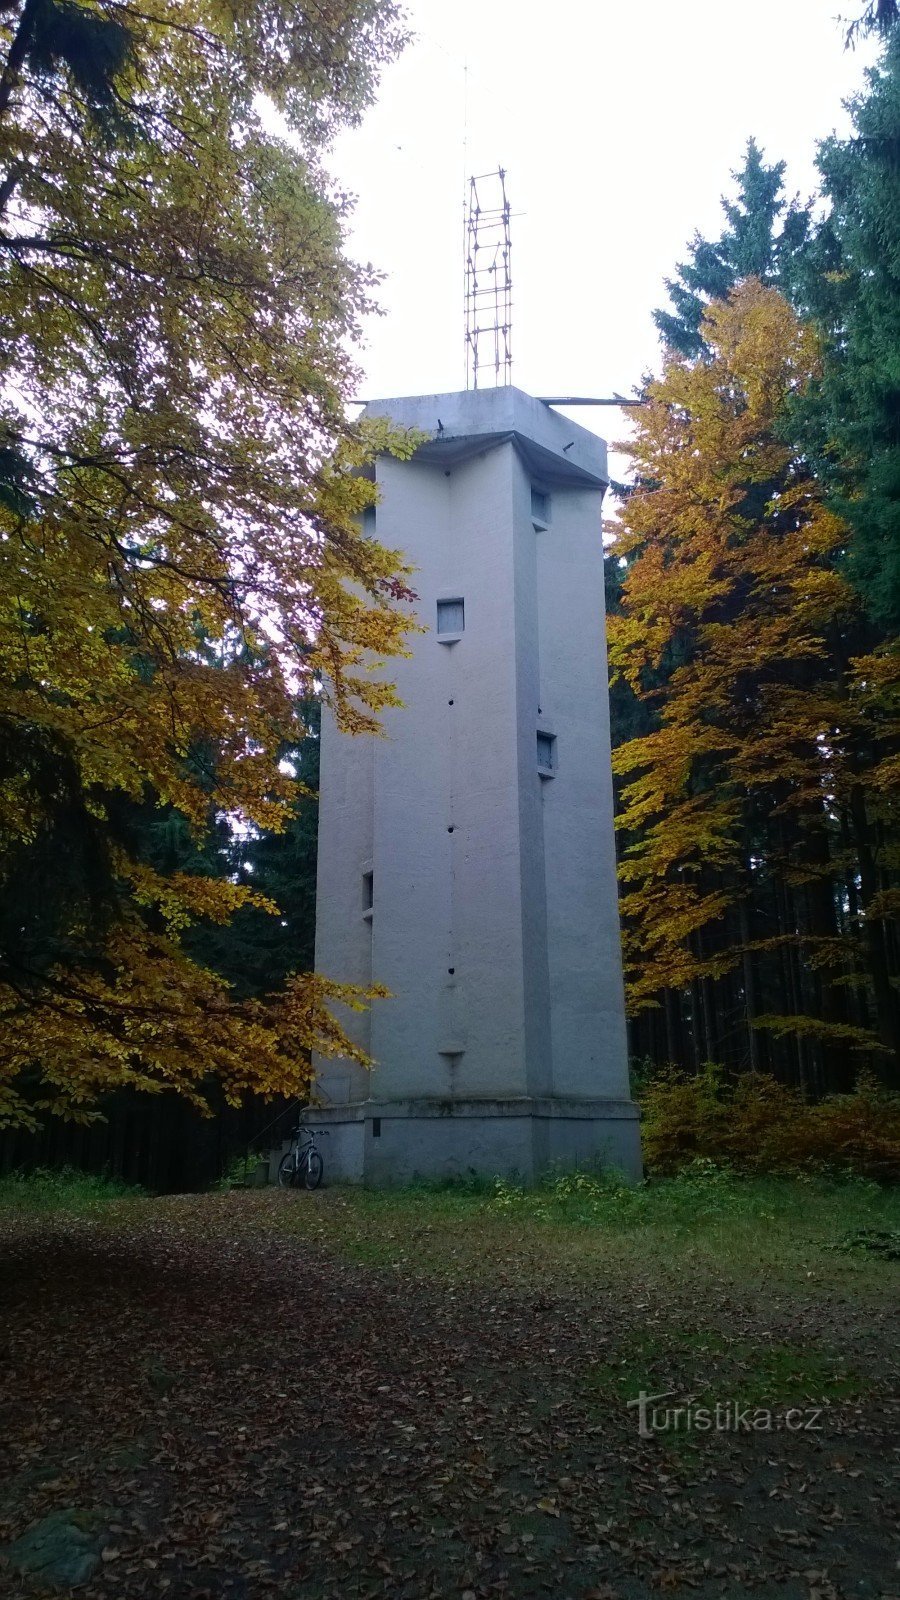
(763, 236)
(852, 418)
(879, 16)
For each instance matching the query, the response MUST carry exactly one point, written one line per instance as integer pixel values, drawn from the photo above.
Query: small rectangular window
(546, 752)
(540, 508)
(451, 616)
(368, 888)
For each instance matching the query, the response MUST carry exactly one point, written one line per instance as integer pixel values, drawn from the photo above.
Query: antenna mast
(488, 289)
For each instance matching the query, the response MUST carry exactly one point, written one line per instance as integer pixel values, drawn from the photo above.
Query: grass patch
(706, 1222)
(64, 1190)
(708, 1365)
(707, 1226)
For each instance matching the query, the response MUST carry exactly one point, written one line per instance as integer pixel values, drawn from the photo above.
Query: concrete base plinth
(396, 1141)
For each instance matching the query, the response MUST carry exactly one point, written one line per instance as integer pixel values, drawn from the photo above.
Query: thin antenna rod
(488, 282)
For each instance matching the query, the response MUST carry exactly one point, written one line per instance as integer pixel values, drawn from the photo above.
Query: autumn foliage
(758, 1125)
(182, 556)
(757, 798)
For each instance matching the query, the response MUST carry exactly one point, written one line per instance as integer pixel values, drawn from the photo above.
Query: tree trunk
(887, 1000)
(751, 1008)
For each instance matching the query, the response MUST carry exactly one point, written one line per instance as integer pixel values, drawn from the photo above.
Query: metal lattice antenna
(488, 294)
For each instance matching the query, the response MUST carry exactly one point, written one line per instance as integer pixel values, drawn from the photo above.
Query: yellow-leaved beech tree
(182, 555)
(759, 892)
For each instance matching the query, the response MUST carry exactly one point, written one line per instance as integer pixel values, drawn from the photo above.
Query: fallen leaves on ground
(244, 1412)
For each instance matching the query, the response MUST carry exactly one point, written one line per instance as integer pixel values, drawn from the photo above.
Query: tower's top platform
(468, 421)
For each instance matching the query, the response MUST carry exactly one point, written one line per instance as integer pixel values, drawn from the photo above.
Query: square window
(451, 617)
(546, 753)
(540, 508)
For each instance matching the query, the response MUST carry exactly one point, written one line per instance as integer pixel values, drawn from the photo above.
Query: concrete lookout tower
(466, 860)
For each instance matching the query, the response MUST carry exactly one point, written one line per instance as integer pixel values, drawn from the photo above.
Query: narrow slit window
(540, 508)
(546, 752)
(368, 888)
(451, 617)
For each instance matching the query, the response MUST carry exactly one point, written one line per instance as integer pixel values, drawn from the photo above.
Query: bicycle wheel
(312, 1170)
(287, 1170)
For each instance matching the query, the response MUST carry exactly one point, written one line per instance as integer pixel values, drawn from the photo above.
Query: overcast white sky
(618, 124)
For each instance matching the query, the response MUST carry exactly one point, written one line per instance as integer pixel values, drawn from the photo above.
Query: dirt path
(226, 1409)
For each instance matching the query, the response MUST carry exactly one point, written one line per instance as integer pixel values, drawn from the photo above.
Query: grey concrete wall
(450, 900)
(384, 1142)
(589, 1043)
(343, 935)
(495, 918)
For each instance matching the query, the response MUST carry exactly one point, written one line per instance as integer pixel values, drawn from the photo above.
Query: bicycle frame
(302, 1148)
(301, 1155)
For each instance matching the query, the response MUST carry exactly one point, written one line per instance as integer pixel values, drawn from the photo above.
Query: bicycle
(302, 1166)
